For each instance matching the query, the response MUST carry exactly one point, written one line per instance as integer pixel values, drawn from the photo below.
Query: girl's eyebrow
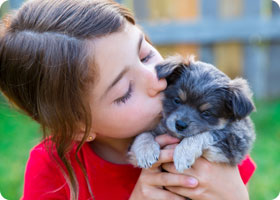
(126, 68)
(117, 79)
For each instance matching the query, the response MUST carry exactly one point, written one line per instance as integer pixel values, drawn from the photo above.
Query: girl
(85, 71)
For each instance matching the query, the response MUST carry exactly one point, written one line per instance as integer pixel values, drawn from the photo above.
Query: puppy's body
(205, 109)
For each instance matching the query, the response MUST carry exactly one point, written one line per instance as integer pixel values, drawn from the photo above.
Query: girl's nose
(156, 86)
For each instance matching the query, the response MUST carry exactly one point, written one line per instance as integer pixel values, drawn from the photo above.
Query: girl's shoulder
(43, 175)
(42, 148)
(43, 178)
(44, 153)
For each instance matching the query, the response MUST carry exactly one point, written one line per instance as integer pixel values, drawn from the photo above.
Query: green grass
(18, 134)
(265, 183)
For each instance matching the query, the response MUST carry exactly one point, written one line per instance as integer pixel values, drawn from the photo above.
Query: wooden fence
(241, 37)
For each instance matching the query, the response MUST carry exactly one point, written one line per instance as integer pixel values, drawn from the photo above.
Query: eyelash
(124, 98)
(127, 95)
(148, 57)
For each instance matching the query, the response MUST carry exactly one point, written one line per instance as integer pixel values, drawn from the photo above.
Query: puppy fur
(204, 108)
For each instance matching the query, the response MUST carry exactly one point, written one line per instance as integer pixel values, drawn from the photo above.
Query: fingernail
(192, 181)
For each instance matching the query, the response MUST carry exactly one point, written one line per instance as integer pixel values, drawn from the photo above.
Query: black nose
(180, 125)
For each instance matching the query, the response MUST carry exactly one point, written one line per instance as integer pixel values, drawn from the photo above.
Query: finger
(169, 179)
(170, 146)
(186, 192)
(170, 167)
(161, 194)
(201, 164)
(166, 139)
(165, 156)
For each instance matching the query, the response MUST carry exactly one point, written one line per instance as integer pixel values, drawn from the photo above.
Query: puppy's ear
(239, 98)
(171, 69)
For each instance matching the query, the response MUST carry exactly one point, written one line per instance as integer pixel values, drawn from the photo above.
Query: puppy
(206, 110)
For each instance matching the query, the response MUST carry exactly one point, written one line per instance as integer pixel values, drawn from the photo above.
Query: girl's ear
(91, 137)
(80, 136)
(239, 100)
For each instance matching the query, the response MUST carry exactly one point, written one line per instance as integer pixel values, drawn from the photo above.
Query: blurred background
(240, 37)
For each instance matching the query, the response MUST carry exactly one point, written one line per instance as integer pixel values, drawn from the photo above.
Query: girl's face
(126, 98)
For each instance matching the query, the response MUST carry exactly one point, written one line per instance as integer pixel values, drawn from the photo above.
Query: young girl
(85, 72)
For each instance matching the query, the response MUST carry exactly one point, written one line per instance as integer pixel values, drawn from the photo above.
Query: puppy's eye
(206, 114)
(177, 100)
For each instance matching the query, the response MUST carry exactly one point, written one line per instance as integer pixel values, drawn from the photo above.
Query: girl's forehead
(121, 37)
(116, 48)
(113, 52)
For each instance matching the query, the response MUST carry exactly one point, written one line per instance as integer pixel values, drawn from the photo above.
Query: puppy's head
(200, 98)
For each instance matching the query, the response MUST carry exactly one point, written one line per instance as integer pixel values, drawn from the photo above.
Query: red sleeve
(43, 178)
(246, 169)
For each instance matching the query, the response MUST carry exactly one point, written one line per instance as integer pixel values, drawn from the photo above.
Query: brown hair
(45, 66)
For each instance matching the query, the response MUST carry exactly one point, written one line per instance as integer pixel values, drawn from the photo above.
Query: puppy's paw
(147, 155)
(182, 159)
(145, 150)
(132, 158)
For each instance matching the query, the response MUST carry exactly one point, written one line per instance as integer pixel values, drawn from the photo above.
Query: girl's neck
(112, 149)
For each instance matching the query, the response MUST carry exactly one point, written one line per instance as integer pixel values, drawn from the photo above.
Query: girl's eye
(148, 57)
(127, 95)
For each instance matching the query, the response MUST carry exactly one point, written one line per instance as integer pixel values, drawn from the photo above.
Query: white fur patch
(214, 154)
(144, 150)
(190, 149)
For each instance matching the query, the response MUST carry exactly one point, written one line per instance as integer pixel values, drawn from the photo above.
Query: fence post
(273, 70)
(209, 10)
(255, 53)
(141, 9)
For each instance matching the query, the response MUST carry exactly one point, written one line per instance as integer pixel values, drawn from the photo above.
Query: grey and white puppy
(206, 110)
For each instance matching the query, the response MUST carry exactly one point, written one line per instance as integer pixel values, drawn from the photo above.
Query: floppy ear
(171, 69)
(239, 100)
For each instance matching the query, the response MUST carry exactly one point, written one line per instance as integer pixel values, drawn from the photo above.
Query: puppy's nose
(180, 125)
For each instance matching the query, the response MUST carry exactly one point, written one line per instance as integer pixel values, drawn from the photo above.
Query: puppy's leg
(189, 149)
(232, 143)
(215, 154)
(145, 150)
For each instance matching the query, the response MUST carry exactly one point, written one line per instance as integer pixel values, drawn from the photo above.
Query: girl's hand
(216, 182)
(152, 181)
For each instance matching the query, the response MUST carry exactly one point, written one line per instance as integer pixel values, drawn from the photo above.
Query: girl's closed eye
(148, 57)
(126, 96)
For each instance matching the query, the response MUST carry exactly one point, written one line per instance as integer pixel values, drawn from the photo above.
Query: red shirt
(44, 180)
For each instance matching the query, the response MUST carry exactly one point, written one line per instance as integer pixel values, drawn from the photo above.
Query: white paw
(182, 159)
(147, 155)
